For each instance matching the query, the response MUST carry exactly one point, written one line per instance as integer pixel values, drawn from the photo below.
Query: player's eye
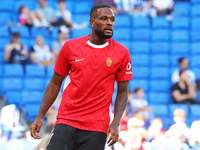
(103, 18)
(112, 19)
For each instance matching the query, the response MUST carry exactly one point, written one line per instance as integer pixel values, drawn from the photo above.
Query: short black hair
(182, 71)
(16, 35)
(137, 89)
(94, 9)
(61, 1)
(181, 59)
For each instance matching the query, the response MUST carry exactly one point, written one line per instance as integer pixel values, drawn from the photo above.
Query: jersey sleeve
(124, 73)
(62, 64)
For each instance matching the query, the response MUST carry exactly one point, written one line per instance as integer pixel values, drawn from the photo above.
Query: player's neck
(97, 40)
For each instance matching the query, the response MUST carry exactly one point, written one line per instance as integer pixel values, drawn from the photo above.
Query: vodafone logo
(128, 66)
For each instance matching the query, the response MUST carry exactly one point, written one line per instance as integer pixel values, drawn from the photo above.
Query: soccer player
(95, 61)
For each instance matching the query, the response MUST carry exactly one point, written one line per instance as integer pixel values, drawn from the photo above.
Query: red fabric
(86, 100)
(123, 124)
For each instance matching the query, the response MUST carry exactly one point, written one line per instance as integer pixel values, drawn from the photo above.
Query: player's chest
(98, 61)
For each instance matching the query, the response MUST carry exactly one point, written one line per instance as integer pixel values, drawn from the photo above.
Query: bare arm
(178, 96)
(8, 50)
(32, 56)
(120, 106)
(192, 90)
(49, 97)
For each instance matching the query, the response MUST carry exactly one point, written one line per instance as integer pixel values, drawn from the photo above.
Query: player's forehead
(105, 11)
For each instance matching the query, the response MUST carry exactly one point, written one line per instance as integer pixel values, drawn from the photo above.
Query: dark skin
(103, 20)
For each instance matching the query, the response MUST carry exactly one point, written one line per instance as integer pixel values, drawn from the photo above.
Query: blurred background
(163, 37)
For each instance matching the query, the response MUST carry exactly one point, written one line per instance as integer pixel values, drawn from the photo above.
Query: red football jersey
(94, 69)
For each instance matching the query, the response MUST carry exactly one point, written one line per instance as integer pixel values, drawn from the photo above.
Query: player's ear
(91, 22)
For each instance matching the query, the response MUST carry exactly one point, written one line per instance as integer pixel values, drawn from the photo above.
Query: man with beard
(95, 61)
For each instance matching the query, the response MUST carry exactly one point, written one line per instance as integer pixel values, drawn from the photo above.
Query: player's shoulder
(118, 45)
(79, 39)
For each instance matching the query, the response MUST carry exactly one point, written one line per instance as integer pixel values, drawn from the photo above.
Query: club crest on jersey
(109, 62)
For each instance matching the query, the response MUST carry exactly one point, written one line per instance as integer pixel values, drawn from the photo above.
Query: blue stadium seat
(1, 70)
(160, 73)
(195, 110)
(7, 6)
(180, 23)
(30, 4)
(70, 6)
(14, 97)
(159, 110)
(52, 4)
(174, 59)
(195, 48)
(195, 10)
(121, 34)
(5, 18)
(144, 84)
(24, 31)
(181, 9)
(34, 71)
(78, 33)
(54, 34)
(31, 97)
(195, 1)
(125, 43)
(12, 84)
(141, 34)
(81, 18)
(140, 22)
(34, 84)
(13, 70)
(47, 82)
(1, 57)
(160, 85)
(195, 35)
(195, 61)
(180, 47)
(140, 60)
(180, 35)
(44, 32)
(4, 32)
(31, 112)
(172, 107)
(160, 35)
(159, 60)
(50, 71)
(140, 72)
(159, 98)
(3, 43)
(196, 71)
(122, 21)
(160, 47)
(26, 42)
(195, 23)
(140, 47)
(160, 22)
(83, 7)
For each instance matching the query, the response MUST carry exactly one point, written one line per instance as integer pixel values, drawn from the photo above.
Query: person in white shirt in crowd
(136, 8)
(183, 65)
(64, 17)
(164, 8)
(138, 104)
(62, 38)
(41, 54)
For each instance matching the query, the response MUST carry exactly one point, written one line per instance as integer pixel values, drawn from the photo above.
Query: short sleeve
(174, 87)
(62, 63)
(124, 73)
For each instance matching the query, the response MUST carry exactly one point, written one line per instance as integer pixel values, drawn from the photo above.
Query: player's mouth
(108, 30)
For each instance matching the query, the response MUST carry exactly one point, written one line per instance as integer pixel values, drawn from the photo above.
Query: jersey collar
(97, 46)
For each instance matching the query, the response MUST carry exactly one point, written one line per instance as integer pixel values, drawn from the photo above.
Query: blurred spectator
(164, 7)
(183, 64)
(124, 121)
(41, 54)
(15, 52)
(44, 10)
(63, 17)
(179, 129)
(29, 18)
(134, 136)
(140, 105)
(194, 141)
(183, 92)
(62, 38)
(108, 2)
